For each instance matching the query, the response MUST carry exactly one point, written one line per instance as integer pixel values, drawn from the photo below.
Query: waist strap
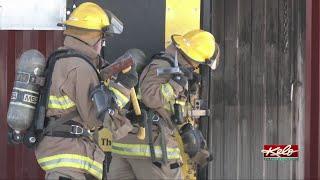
(172, 166)
(66, 127)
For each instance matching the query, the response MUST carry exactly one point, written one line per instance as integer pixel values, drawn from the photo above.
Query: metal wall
(312, 135)
(19, 162)
(257, 94)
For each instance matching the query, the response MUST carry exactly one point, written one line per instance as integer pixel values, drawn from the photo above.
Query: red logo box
(280, 151)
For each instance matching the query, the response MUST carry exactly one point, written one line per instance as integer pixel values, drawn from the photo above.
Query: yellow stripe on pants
(72, 161)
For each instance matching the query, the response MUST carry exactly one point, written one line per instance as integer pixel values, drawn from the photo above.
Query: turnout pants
(130, 168)
(63, 174)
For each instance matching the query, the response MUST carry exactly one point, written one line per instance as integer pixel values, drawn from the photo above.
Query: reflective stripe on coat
(143, 150)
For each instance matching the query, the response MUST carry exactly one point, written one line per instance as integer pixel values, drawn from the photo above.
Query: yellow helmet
(88, 15)
(198, 45)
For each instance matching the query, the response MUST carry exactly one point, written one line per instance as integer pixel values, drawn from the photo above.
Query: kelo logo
(280, 152)
(30, 99)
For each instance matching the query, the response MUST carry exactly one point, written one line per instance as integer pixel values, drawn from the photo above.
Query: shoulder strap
(164, 56)
(66, 53)
(161, 56)
(44, 92)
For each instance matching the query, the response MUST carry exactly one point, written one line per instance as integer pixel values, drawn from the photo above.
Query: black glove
(194, 84)
(181, 81)
(187, 72)
(129, 79)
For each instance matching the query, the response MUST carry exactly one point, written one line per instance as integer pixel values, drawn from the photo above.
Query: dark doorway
(144, 25)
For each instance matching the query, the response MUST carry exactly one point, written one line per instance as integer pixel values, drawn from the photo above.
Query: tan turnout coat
(72, 81)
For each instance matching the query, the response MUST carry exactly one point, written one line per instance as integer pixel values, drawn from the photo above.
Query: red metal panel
(18, 162)
(312, 144)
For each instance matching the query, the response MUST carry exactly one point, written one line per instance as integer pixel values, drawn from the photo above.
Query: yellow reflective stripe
(169, 96)
(73, 165)
(143, 150)
(72, 156)
(167, 92)
(73, 161)
(139, 97)
(181, 102)
(63, 102)
(121, 100)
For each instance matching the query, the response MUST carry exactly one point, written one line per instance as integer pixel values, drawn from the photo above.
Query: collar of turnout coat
(73, 43)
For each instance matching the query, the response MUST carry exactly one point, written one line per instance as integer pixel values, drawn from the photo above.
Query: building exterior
(267, 90)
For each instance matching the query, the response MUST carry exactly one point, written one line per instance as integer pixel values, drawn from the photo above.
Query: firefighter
(67, 150)
(158, 156)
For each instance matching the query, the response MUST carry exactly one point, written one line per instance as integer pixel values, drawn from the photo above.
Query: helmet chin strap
(99, 56)
(186, 59)
(102, 62)
(176, 63)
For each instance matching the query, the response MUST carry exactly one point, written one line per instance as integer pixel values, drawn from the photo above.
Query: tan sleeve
(150, 85)
(120, 126)
(83, 81)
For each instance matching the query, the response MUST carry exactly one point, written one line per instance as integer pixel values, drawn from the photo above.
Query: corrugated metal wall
(257, 94)
(19, 162)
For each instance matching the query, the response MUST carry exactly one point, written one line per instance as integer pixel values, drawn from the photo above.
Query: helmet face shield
(214, 62)
(116, 26)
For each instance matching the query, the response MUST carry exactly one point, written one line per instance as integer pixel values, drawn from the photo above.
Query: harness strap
(163, 141)
(106, 164)
(153, 118)
(42, 104)
(66, 127)
(164, 56)
(150, 139)
(172, 166)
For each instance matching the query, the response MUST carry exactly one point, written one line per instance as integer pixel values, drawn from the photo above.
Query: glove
(181, 81)
(128, 79)
(202, 158)
(194, 85)
(187, 72)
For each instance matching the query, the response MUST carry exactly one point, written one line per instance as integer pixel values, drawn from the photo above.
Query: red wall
(18, 162)
(312, 140)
